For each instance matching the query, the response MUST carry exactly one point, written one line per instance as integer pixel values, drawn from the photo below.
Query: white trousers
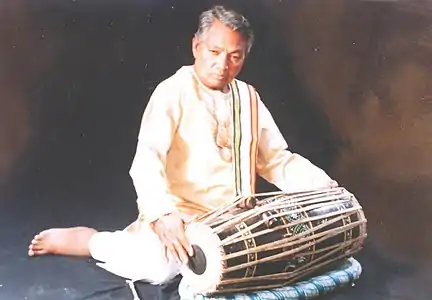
(134, 256)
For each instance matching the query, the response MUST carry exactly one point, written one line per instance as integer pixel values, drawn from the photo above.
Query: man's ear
(195, 44)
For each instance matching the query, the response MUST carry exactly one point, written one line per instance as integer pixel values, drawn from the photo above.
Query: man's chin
(217, 84)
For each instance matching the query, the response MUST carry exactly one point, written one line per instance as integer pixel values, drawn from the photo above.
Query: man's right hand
(170, 229)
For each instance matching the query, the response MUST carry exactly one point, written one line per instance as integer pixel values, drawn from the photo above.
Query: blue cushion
(316, 286)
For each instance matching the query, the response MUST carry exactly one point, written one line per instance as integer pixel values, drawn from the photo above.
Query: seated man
(204, 136)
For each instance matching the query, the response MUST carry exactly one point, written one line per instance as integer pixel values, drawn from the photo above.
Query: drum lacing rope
(131, 284)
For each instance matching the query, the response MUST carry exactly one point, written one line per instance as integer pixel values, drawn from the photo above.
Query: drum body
(283, 239)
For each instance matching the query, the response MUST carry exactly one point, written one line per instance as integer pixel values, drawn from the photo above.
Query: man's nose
(222, 62)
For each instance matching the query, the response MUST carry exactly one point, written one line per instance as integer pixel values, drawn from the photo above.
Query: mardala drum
(280, 239)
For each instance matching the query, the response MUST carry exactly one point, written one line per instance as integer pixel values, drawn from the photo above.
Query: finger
(333, 184)
(182, 253)
(172, 247)
(180, 243)
(184, 242)
(165, 252)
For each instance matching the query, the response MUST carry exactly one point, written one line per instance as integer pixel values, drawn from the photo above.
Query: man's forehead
(231, 48)
(224, 42)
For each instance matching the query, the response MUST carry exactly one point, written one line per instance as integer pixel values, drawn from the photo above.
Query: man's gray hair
(229, 18)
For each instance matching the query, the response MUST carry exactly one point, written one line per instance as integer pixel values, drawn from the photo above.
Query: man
(203, 138)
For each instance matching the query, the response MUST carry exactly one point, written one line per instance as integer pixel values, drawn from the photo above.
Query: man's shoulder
(246, 84)
(176, 80)
(170, 90)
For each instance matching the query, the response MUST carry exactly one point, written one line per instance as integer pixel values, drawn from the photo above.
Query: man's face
(219, 56)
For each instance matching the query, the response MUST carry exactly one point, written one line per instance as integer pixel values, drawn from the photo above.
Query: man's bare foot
(62, 241)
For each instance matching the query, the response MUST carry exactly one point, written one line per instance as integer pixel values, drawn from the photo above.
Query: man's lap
(136, 256)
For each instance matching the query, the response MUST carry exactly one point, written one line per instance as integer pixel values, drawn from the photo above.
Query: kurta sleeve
(288, 171)
(148, 171)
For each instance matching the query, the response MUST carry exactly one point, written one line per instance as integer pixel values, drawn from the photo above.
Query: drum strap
(131, 284)
(245, 135)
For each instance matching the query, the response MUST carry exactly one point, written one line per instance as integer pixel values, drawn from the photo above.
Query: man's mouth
(220, 77)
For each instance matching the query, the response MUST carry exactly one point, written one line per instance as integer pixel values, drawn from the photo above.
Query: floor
(54, 278)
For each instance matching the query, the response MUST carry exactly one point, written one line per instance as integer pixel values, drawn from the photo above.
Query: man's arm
(158, 126)
(155, 202)
(289, 171)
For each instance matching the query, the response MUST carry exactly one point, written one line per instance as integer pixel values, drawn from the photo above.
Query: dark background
(348, 82)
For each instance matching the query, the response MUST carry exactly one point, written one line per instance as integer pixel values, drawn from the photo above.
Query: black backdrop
(346, 82)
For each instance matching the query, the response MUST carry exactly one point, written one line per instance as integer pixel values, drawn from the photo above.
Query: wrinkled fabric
(178, 164)
(183, 164)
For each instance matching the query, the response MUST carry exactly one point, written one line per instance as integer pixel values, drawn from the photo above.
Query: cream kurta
(182, 162)
(178, 163)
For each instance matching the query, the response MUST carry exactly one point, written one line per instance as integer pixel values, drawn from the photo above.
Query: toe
(36, 247)
(40, 252)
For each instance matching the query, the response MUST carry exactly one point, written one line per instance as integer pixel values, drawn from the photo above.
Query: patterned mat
(316, 286)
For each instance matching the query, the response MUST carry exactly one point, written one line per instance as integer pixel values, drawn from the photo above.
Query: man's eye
(236, 58)
(214, 51)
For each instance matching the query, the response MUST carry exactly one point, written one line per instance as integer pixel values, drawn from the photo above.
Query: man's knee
(102, 245)
(156, 268)
(133, 256)
(163, 274)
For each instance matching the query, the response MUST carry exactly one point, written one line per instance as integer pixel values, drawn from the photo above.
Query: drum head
(204, 271)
